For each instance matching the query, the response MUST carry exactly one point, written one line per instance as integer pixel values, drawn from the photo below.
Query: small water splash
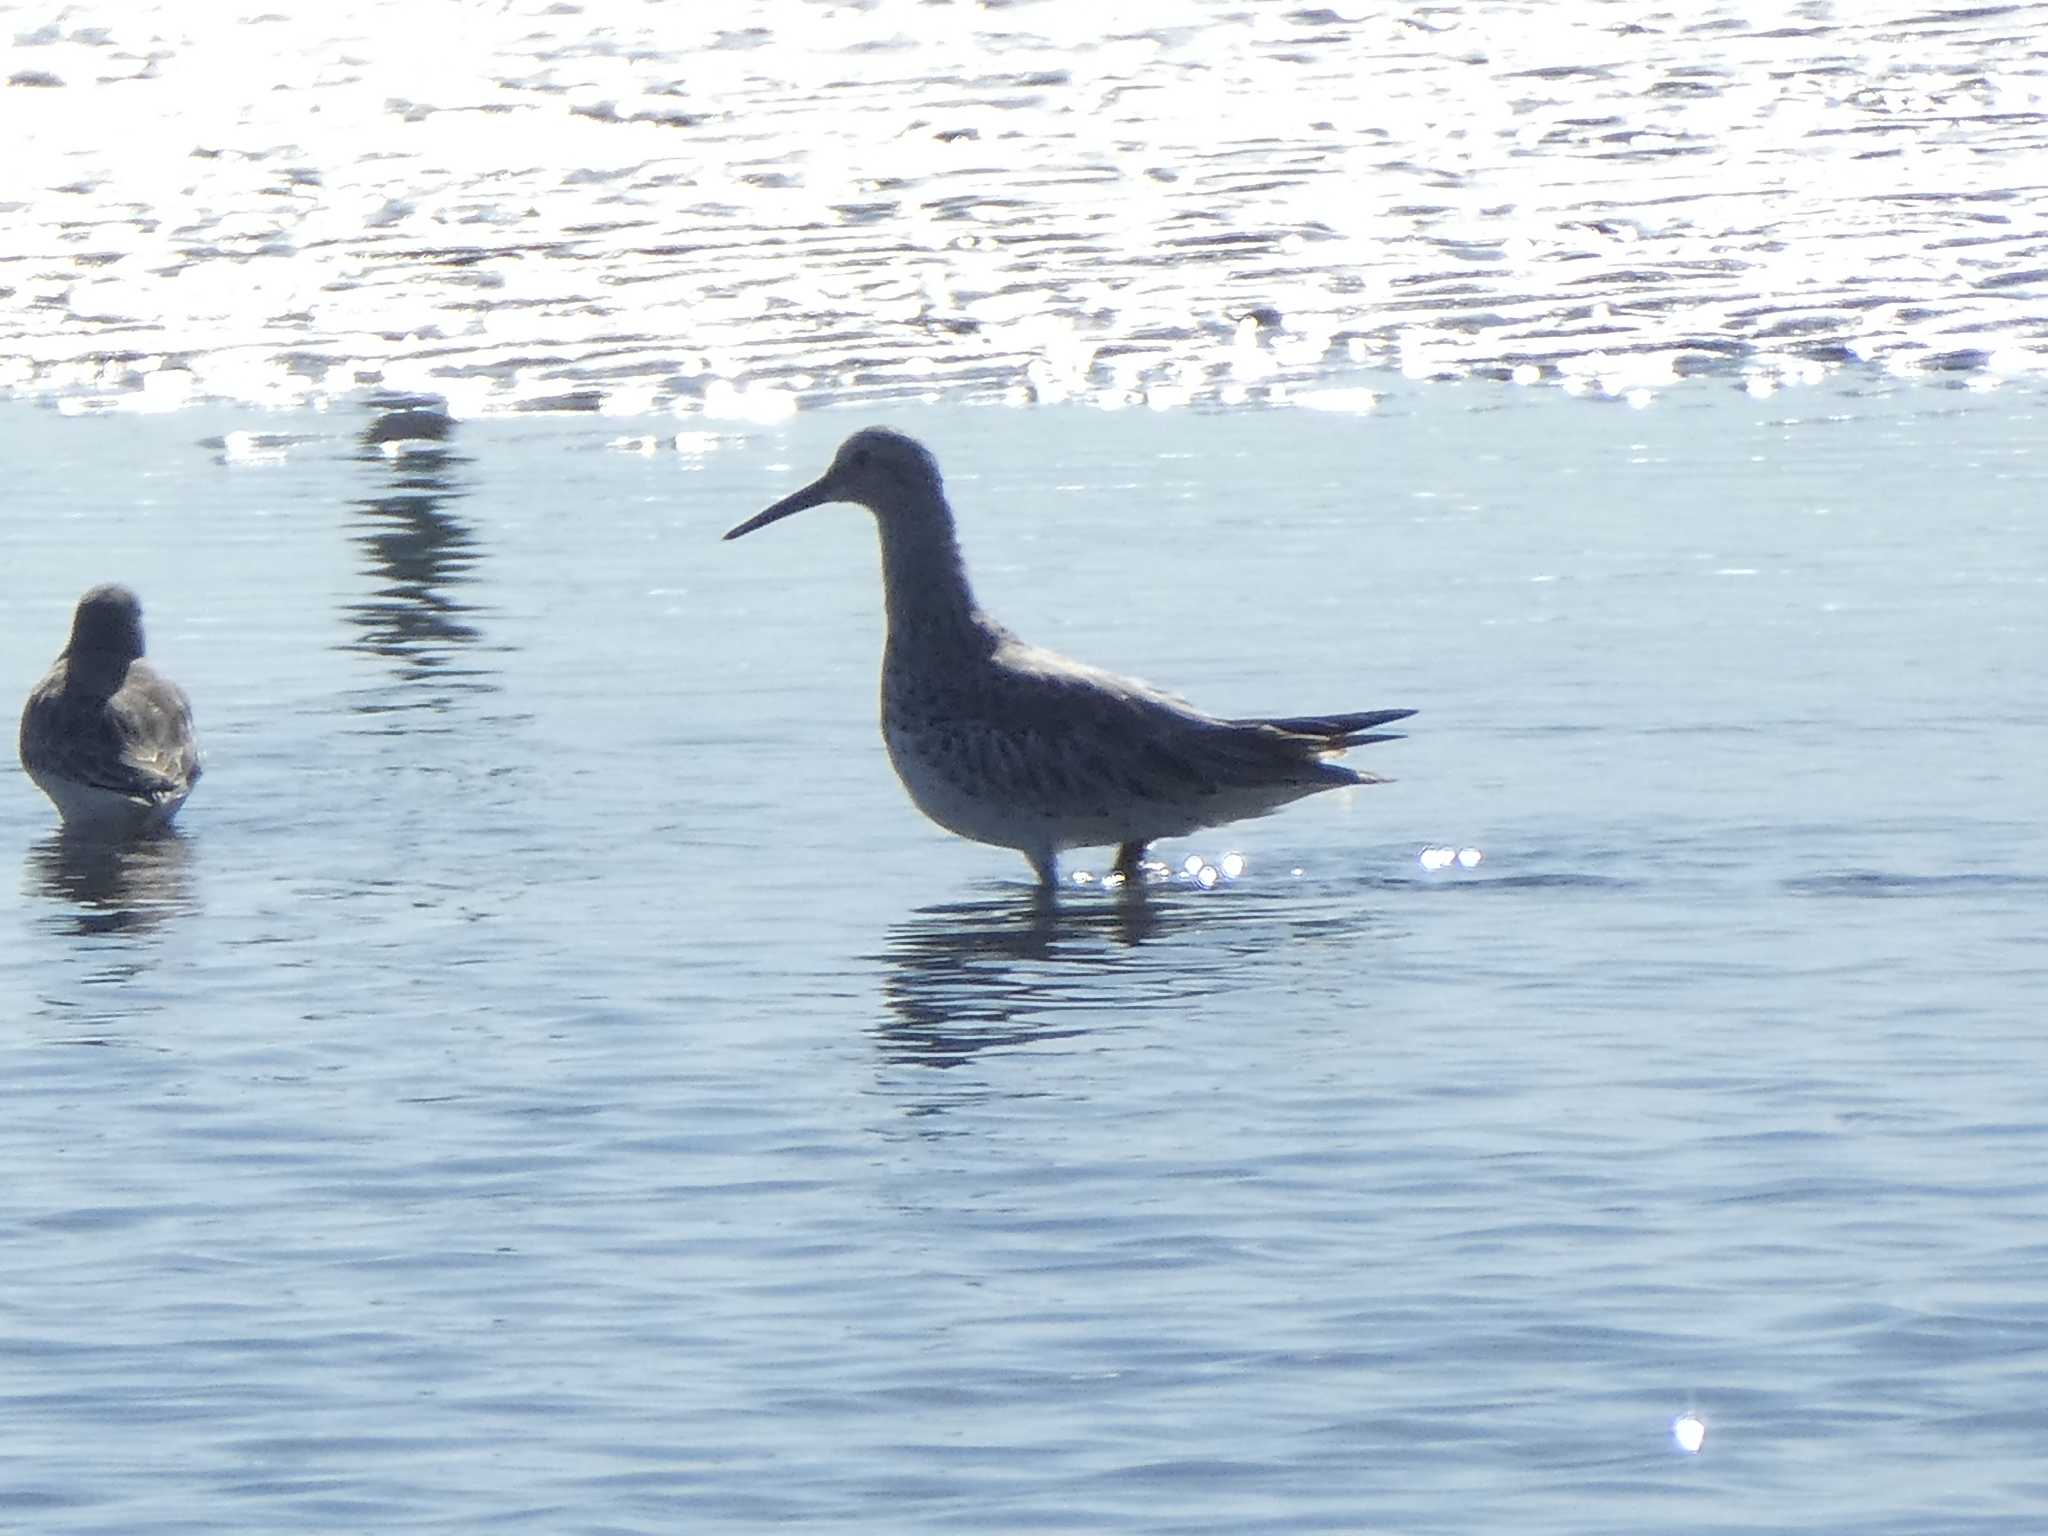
(1195, 870)
(1440, 857)
(1207, 874)
(1689, 1432)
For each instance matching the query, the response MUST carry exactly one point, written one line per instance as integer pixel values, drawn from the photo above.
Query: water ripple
(1887, 884)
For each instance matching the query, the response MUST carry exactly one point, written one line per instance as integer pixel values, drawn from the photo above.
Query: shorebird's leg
(1047, 863)
(1128, 858)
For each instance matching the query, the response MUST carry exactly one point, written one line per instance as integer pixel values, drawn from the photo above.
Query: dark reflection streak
(1014, 971)
(116, 887)
(418, 555)
(961, 974)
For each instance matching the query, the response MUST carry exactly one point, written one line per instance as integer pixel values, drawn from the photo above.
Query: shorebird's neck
(96, 673)
(924, 582)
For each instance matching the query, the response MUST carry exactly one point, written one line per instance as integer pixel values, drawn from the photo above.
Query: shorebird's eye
(860, 458)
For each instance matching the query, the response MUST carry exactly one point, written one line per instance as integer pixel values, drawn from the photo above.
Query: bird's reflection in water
(114, 886)
(965, 977)
(1020, 971)
(419, 556)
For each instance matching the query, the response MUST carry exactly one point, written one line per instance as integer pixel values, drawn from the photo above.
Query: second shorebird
(105, 735)
(1005, 743)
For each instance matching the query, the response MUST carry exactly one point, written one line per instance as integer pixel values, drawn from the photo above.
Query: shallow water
(555, 1081)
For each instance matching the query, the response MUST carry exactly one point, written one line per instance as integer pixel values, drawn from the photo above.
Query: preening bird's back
(137, 742)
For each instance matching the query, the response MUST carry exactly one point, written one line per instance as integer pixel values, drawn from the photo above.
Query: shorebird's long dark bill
(816, 494)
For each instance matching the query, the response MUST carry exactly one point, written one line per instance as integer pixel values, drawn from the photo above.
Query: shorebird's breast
(938, 752)
(979, 759)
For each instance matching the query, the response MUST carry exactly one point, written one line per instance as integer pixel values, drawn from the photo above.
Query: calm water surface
(554, 1080)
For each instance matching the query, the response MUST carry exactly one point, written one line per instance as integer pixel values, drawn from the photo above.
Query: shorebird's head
(108, 624)
(889, 474)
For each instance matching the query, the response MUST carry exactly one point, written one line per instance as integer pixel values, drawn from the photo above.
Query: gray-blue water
(555, 1081)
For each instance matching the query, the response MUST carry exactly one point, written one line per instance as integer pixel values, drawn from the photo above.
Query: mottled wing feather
(154, 718)
(1042, 730)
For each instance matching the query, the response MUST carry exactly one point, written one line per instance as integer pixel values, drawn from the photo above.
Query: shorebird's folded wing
(159, 754)
(144, 776)
(1158, 748)
(1055, 724)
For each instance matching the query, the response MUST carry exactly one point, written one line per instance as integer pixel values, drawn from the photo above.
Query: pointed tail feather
(1353, 730)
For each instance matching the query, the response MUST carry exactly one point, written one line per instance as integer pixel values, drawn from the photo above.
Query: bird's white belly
(990, 794)
(951, 796)
(91, 808)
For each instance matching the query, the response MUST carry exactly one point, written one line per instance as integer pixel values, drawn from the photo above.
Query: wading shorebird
(1005, 743)
(104, 734)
